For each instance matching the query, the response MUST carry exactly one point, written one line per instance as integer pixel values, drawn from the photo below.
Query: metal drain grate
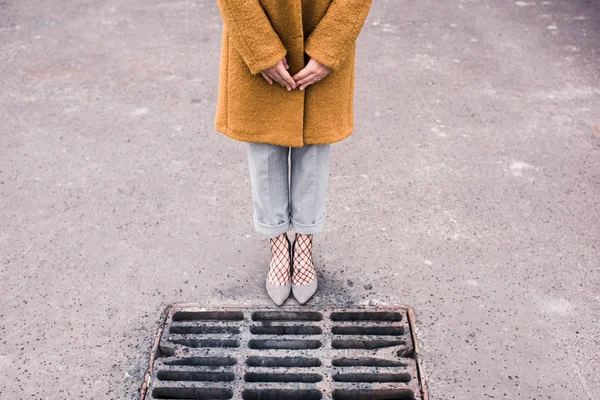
(258, 353)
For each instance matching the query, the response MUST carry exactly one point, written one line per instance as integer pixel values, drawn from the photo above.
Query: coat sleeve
(337, 30)
(252, 34)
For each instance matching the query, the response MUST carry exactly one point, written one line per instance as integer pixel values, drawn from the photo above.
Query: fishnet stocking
(304, 269)
(279, 267)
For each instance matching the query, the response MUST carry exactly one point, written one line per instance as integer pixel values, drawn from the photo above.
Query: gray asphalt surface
(469, 190)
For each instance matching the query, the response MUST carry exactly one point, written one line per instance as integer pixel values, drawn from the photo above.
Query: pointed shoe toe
(278, 293)
(303, 293)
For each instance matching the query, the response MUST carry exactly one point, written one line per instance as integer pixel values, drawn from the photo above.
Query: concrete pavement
(469, 190)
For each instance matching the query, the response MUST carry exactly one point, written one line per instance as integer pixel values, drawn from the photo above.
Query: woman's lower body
(289, 188)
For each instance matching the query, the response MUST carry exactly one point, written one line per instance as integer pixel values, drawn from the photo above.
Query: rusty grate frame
(245, 376)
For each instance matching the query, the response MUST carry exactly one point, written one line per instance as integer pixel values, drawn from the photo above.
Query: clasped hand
(313, 72)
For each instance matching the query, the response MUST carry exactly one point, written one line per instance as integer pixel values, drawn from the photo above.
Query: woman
(286, 87)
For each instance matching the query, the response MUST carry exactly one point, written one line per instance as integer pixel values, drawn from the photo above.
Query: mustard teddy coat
(257, 34)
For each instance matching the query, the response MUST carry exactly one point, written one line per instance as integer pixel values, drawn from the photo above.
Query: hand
(279, 73)
(313, 72)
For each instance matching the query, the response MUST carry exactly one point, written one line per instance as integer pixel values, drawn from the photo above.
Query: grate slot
(279, 394)
(203, 330)
(191, 393)
(203, 361)
(282, 377)
(290, 323)
(208, 315)
(368, 330)
(287, 344)
(372, 377)
(287, 316)
(388, 394)
(366, 316)
(365, 344)
(285, 330)
(368, 370)
(366, 362)
(167, 375)
(207, 342)
(283, 362)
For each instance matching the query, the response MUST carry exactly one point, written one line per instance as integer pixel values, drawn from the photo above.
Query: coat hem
(329, 139)
(250, 138)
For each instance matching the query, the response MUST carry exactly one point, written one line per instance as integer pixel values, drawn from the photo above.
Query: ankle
(303, 245)
(278, 242)
(304, 268)
(279, 266)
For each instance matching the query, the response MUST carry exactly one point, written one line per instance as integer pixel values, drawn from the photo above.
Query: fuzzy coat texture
(257, 34)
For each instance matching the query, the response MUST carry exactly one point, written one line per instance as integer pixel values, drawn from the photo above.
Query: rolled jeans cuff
(271, 230)
(309, 229)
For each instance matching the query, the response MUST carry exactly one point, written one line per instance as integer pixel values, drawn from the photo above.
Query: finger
(270, 76)
(303, 73)
(274, 76)
(264, 74)
(302, 87)
(311, 82)
(277, 77)
(285, 63)
(289, 81)
(306, 79)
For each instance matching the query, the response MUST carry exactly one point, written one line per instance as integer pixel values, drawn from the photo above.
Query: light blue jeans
(289, 186)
